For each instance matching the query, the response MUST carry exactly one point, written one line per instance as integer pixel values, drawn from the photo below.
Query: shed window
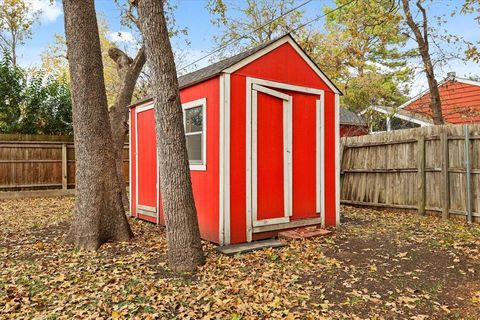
(195, 133)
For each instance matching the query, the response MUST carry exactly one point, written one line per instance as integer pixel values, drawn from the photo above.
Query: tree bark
(183, 236)
(423, 47)
(99, 214)
(128, 70)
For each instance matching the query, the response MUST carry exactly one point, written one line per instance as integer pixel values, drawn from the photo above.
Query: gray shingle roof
(349, 117)
(216, 68)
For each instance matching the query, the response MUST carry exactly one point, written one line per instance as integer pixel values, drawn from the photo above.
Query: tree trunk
(99, 214)
(183, 236)
(14, 49)
(128, 70)
(423, 47)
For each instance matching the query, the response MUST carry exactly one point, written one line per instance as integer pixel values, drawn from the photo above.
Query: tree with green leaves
(33, 102)
(361, 51)
(12, 83)
(422, 38)
(16, 21)
(236, 19)
(472, 7)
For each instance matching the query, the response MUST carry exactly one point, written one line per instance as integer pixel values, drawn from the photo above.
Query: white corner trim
(224, 166)
(322, 161)
(337, 159)
(276, 44)
(253, 159)
(158, 179)
(248, 158)
(221, 186)
(193, 104)
(318, 155)
(130, 150)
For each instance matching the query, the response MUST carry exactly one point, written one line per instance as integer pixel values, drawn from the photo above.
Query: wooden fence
(432, 169)
(33, 162)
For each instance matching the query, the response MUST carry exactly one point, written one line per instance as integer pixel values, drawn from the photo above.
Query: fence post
(445, 175)
(64, 166)
(468, 172)
(421, 175)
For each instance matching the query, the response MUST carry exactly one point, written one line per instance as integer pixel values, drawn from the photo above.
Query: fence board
(30, 162)
(422, 168)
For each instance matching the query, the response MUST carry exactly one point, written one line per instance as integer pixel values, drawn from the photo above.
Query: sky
(193, 15)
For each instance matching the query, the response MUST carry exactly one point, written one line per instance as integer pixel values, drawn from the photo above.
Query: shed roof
(215, 69)
(351, 118)
(218, 67)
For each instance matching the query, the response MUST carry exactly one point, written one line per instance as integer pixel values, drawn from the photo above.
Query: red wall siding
(270, 146)
(238, 209)
(282, 65)
(460, 102)
(304, 156)
(330, 150)
(205, 184)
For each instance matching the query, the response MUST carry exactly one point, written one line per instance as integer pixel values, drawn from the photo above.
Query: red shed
(262, 132)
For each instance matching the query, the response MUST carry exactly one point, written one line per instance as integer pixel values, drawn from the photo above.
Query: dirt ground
(377, 265)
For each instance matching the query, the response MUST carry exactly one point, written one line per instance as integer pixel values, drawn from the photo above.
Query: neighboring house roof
(460, 101)
(403, 114)
(348, 117)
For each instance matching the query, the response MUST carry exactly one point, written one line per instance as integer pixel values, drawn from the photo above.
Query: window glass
(194, 132)
(194, 148)
(193, 120)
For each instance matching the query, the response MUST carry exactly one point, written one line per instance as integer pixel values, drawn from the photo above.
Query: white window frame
(194, 104)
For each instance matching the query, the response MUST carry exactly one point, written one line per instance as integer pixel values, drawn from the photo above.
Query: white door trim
(270, 92)
(145, 210)
(320, 189)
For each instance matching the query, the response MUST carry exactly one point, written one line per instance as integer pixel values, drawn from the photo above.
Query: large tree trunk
(423, 47)
(183, 236)
(99, 214)
(128, 70)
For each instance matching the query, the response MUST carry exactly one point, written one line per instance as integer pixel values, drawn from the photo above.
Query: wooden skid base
(301, 233)
(233, 249)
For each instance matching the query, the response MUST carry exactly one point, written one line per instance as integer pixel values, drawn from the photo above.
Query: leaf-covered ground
(378, 265)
